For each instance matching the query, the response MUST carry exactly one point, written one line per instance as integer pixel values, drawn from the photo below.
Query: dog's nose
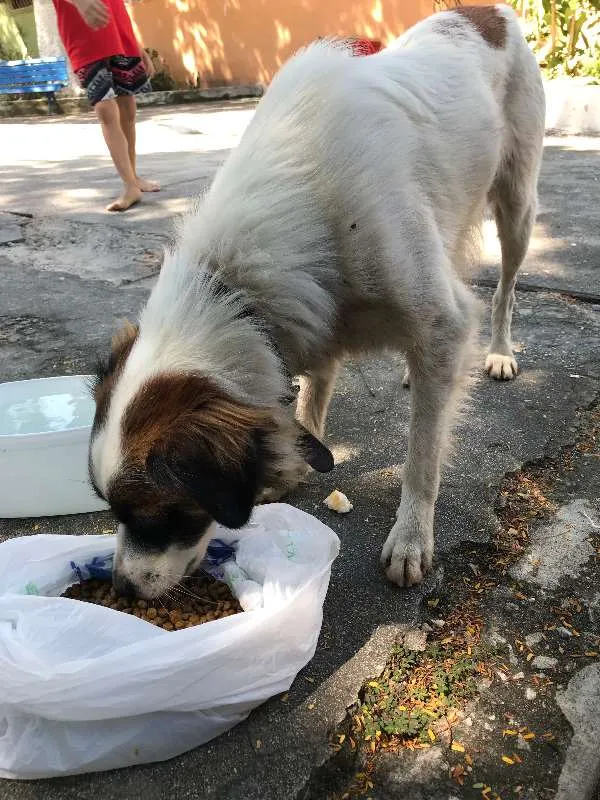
(122, 585)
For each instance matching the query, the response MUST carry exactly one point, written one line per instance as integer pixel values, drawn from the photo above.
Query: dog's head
(175, 453)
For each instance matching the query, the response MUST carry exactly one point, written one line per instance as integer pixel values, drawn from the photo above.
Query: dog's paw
(406, 379)
(501, 367)
(407, 554)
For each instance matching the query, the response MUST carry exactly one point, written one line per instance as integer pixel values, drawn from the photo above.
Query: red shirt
(84, 45)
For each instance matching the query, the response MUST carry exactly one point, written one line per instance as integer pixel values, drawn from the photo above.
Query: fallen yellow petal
(458, 747)
(431, 734)
(508, 760)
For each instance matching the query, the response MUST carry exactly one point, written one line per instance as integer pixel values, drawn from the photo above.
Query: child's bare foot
(148, 186)
(131, 195)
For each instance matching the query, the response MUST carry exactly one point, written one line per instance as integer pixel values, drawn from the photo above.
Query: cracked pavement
(71, 272)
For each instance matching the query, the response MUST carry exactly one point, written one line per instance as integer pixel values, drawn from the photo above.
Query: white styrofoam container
(45, 427)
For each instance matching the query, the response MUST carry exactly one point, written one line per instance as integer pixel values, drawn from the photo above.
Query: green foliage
(414, 691)
(11, 41)
(162, 80)
(564, 33)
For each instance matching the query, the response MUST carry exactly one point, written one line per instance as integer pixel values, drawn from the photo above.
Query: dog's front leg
(408, 550)
(438, 371)
(316, 389)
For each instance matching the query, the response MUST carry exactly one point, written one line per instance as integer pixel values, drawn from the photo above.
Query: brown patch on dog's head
(187, 444)
(488, 21)
(107, 372)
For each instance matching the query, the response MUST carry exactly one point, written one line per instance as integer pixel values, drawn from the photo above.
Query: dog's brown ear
(213, 455)
(107, 371)
(313, 451)
(187, 466)
(198, 445)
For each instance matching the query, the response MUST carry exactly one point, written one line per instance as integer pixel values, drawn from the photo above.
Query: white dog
(340, 225)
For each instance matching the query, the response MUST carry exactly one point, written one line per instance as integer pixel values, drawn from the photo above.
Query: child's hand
(94, 12)
(148, 63)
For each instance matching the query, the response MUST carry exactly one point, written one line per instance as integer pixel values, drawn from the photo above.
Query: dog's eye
(149, 532)
(173, 526)
(186, 528)
(150, 538)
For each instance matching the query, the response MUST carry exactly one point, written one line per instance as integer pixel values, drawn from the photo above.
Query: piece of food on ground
(197, 601)
(337, 501)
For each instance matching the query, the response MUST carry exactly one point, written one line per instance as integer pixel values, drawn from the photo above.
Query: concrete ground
(70, 272)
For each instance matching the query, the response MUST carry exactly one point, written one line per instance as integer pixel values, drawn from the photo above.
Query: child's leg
(130, 78)
(127, 110)
(97, 79)
(107, 112)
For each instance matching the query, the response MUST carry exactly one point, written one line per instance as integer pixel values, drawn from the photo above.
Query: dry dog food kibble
(199, 600)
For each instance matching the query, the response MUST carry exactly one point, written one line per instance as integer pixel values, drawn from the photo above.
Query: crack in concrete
(94, 224)
(582, 297)
(20, 214)
(130, 281)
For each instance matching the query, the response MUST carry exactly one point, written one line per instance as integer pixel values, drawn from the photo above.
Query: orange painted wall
(246, 41)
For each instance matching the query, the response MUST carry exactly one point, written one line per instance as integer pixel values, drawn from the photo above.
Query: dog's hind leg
(513, 198)
(316, 390)
(514, 206)
(439, 360)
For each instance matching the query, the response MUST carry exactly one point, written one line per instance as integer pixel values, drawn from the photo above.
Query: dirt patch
(473, 713)
(25, 330)
(99, 252)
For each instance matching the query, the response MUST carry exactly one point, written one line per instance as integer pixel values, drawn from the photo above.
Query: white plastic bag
(85, 688)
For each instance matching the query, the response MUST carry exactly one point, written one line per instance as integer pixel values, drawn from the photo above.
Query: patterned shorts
(113, 77)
